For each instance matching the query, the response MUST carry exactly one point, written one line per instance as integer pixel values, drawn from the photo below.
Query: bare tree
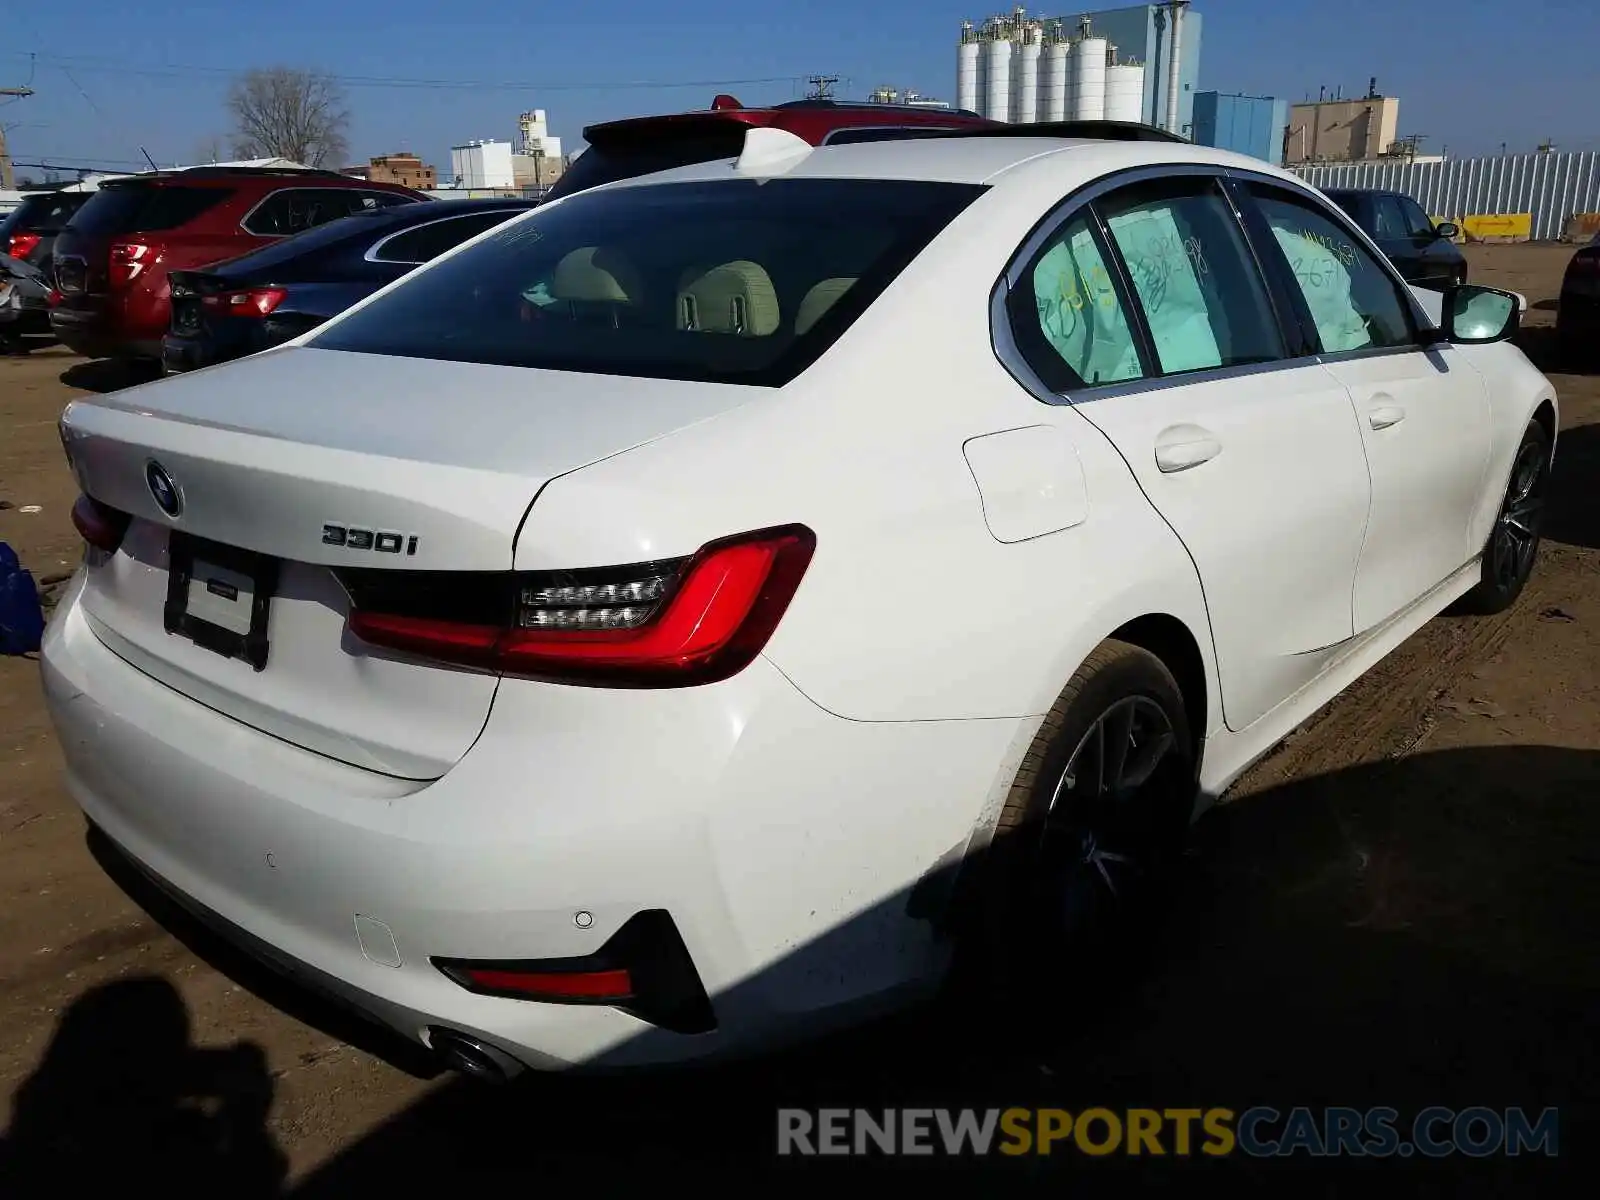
(281, 112)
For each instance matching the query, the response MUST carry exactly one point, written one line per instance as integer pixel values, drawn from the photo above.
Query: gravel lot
(1396, 908)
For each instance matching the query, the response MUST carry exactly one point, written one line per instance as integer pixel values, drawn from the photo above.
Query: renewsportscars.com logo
(1213, 1132)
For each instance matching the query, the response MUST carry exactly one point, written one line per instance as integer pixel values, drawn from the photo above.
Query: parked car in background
(24, 307)
(113, 257)
(1578, 310)
(29, 231)
(519, 674)
(266, 297)
(1425, 253)
(640, 145)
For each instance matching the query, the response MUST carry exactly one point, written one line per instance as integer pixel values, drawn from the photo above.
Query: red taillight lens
(670, 624)
(609, 986)
(257, 302)
(128, 261)
(22, 244)
(102, 526)
(53, 299)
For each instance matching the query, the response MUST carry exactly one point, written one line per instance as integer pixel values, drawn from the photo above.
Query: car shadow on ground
(109, 374)
(1415, 933)
(1573, 517)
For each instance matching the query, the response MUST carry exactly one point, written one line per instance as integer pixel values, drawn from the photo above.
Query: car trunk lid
(305, 461)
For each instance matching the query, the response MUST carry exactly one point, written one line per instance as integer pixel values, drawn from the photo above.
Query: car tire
(1074, 870)
(1513, 545)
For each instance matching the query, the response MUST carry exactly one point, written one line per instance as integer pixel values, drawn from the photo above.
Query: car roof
(974, 158)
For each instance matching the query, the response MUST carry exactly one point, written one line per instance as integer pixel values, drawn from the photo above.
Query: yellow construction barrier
(1510, 227)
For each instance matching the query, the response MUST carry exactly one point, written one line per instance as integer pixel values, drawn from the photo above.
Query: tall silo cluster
(1026, 69)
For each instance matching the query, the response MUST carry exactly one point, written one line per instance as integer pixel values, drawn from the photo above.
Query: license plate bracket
(222, 572)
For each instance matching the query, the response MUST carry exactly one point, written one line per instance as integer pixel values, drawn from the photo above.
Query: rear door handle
(1384, 415)
(1181, 447)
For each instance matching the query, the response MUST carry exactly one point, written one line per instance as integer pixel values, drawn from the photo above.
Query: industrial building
(482, 164)
(1336, 129)
(1252, 125)
(1127, 64)
(887, 95)
(537, 161)
(404, 168)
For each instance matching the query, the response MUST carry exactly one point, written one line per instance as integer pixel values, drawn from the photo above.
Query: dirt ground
(1398, 907)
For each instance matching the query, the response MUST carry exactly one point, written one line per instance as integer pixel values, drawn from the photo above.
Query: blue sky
(111, 76)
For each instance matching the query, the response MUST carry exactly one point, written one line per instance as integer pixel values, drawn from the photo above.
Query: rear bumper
(800, 856)
(179, 353)
(95, 333)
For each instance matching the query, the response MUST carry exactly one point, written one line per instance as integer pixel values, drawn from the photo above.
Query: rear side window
(630, 158)
(44, 214)
(1069, 319)
(427, 242)
(1203, 299)
(145, 208)
(294, 210)
(736, 281)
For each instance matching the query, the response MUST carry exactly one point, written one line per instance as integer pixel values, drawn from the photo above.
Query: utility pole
(821, 87)
(6, 180)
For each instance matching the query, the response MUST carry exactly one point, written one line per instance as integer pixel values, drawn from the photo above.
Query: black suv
(1424, 253)
(28, 232)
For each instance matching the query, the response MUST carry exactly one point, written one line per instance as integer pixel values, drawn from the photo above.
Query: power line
(190, 71)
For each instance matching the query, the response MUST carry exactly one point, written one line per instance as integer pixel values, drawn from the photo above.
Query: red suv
(641, 145)
(111, 261)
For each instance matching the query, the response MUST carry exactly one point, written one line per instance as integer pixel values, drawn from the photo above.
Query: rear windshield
(629, 159)
(145, 208)
(43, 214)
(735, 282)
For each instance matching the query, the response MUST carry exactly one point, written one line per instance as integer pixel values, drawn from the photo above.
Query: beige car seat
(819, 300)
(592, 275)
(736, 297)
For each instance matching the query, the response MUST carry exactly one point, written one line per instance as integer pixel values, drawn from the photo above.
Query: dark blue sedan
(264, 298)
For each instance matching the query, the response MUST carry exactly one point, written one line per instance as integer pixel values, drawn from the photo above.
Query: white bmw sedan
(648, 630)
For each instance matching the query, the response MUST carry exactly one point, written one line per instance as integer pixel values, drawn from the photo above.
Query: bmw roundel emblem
(163, 489)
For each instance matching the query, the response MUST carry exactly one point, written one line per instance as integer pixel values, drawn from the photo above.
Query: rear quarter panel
(911, 609)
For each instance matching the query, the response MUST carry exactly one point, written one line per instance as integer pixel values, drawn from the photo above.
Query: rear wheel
(1086, 845)
(1514, 541)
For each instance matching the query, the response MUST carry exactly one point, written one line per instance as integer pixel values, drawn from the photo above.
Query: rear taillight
(22, 244)
(102, 526)
(257, 302)
(128, 261)
(662, 624)
(53, 298)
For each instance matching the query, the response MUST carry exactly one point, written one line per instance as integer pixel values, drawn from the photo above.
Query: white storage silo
(1025, 83)
(1054, 79)
(1125, 93)
(997, 81)
(1089, 79)
(967, 70)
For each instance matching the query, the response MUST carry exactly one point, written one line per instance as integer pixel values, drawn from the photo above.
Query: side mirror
(1448, 231)
(1474, 315)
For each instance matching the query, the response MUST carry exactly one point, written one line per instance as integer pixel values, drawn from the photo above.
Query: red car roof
(811, 120)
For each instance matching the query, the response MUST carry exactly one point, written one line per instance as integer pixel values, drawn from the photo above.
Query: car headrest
(819, 300)
(736, 297)
(590, 274)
